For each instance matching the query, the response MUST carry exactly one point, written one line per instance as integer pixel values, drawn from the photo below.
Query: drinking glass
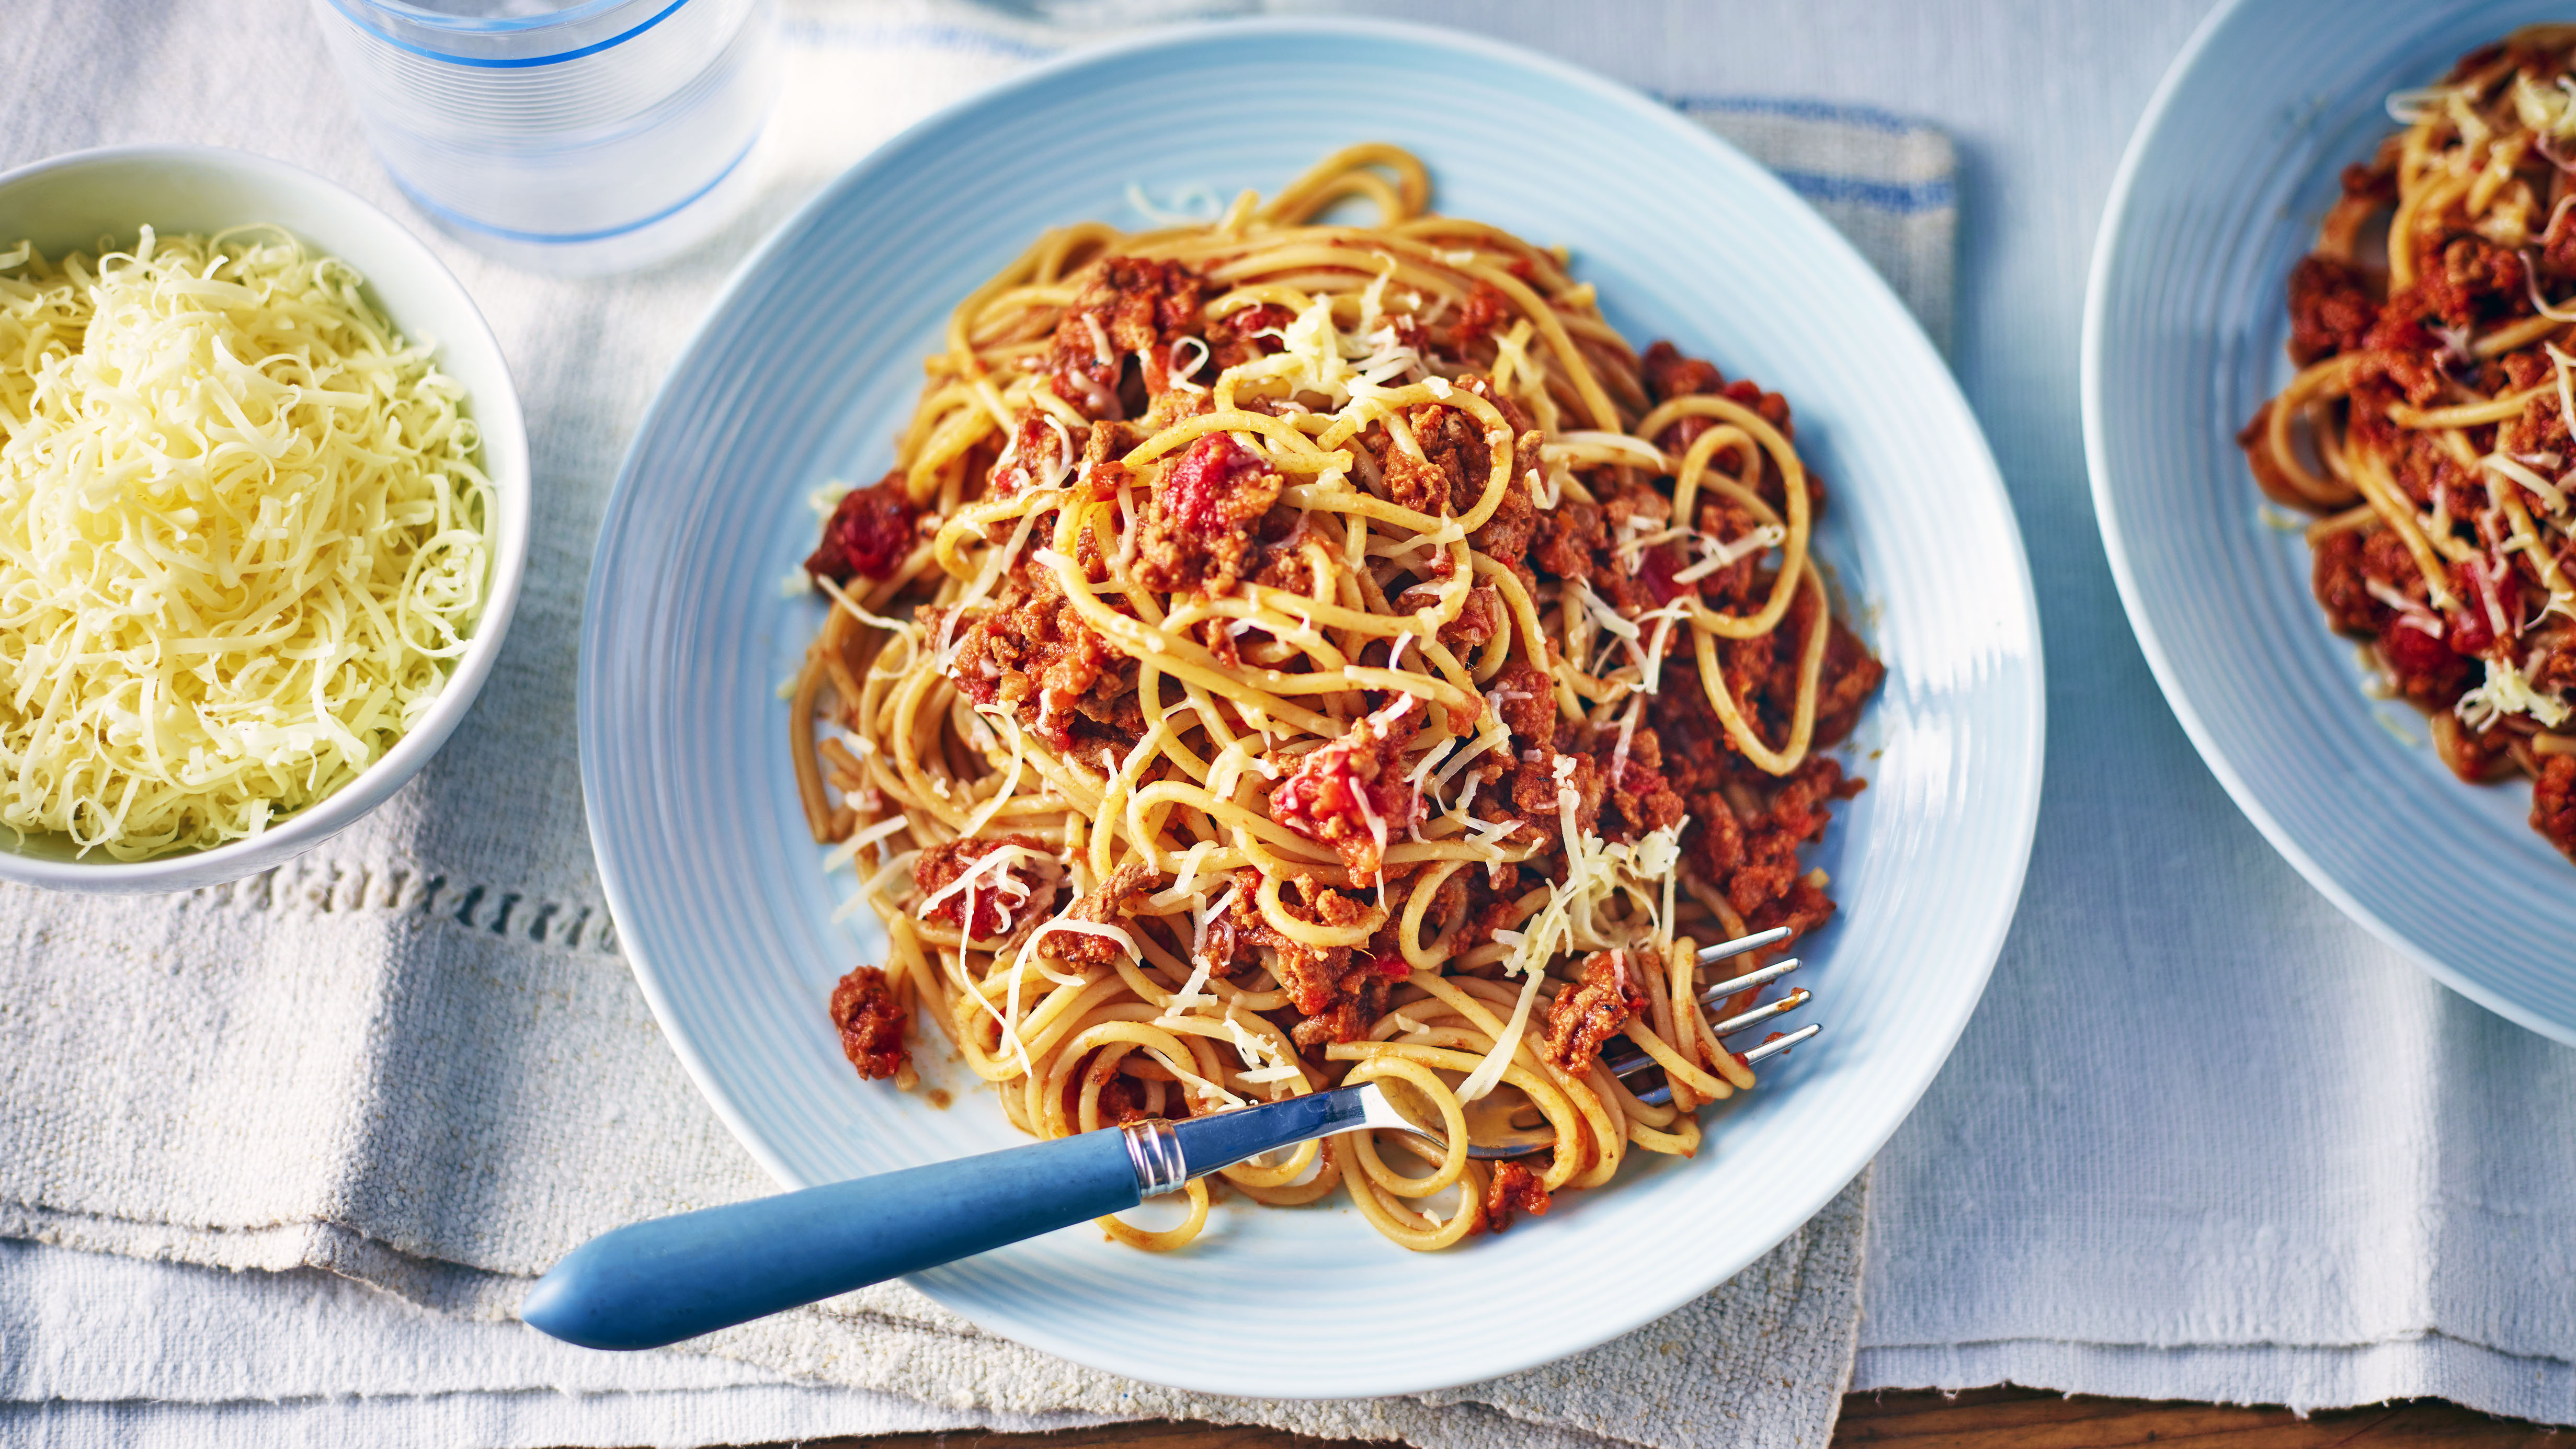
(573, 138)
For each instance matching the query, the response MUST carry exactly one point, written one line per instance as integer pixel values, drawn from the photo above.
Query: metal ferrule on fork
(1161, 1166)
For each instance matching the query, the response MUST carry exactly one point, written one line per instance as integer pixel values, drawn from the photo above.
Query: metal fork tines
(1626, 1060)
(1711, 955)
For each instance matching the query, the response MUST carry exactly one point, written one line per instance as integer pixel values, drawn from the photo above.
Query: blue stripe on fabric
(349, 13)
(960, 38)
(1870, 117)
(1906, 198)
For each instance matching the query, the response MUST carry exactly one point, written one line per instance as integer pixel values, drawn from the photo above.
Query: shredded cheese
(1627, 736)
(1201, 964)
(2507, 692)
(1490, 1071)
(848, 850)
(1263, 1064)
(2410, 612)
(1594, 871)
(1187, 884)
(243, 538)
(995, 864)
(1720, 553)
(2550, 495)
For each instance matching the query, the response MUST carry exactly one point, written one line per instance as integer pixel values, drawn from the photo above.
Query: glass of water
(576, 137)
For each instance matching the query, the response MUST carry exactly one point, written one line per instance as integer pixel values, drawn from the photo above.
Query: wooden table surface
(1977, 1419)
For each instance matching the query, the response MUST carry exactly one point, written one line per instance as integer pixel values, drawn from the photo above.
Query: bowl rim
(505, 454)
(2110, 243)
(2027, 781)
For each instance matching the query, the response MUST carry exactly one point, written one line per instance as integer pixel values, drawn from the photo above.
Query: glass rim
(424, 32)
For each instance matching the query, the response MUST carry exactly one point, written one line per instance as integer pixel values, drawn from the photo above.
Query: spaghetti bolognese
(2426, 428)
(1289, 653)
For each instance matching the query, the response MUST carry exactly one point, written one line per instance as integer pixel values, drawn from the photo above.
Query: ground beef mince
(1032, 653)
(2553, 802)
(1002, 899)
(1246, 334)
(1608, 994)
(1335, 994)
(1197, 531)
(1456, 464)
(1102, 906)
(2332, 308)
(1130, 306)
(870, 1022)
(1351, 794)
(1670, 375)
(1513, 1188)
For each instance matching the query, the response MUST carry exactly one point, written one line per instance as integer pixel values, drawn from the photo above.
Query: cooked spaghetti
(1290, 653)
(2427, 426)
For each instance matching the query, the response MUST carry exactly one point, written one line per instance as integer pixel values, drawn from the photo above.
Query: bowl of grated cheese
(263, 514)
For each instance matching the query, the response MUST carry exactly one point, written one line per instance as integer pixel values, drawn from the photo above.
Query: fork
(654, 1283)
(1626, 1060)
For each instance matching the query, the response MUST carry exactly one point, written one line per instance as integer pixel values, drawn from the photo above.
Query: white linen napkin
(415, 1060)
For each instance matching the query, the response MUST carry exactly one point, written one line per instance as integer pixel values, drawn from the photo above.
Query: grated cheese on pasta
(243, 538)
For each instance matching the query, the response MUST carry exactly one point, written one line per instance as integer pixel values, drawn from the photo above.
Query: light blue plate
(2222, 190)
(810, 363)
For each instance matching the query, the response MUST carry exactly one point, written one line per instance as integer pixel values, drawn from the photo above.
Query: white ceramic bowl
(70, 202)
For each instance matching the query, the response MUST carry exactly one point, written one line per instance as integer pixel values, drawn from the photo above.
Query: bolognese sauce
(1321, 654)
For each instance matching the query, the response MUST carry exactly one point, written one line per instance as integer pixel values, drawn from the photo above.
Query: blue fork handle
(657, 1282)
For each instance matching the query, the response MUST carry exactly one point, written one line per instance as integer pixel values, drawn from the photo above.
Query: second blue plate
(2221, 193)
